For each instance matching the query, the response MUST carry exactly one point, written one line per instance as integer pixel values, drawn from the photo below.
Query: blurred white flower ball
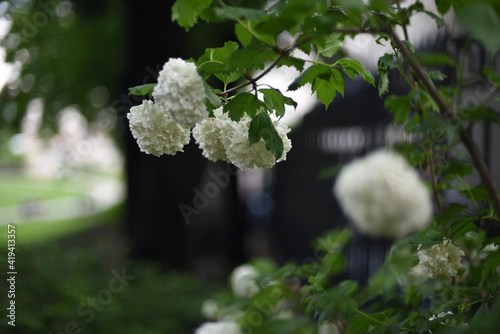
(209, 309)
(243, 281)
(383, 195)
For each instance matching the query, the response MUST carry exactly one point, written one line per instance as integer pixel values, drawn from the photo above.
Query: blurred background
(91, 210)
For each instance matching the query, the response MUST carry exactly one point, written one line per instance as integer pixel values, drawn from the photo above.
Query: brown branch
(435, 192)
(443, 105)
(254, 80)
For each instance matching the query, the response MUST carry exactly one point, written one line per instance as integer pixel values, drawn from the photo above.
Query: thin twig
(286, 52)
(465, 135)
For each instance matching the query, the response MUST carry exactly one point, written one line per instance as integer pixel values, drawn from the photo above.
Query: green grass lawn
(16, 188)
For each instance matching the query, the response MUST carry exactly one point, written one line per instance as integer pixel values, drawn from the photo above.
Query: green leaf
(462, 227)
(292, 62)
(409, 46)
(443, 6)
(142, 90)
(214, 62)
(483, 23)
(400, 107)
(456, 169)
(213, 101)
(332, 45)
(243, 35)
(478, 115)
(477, 193)
(241, 104)
(290, 102)
(383, 84)
(356, 67)
(450, 214)
(275, 100)
(308, 76)
(426, 239)
(432, 58)
(354, 10)
(235, 13)
(439, 20)
(436, 75)
(386, 62)
(324, 91)
(262, 127)
(490, 264)
(186, 12)
(243, 60)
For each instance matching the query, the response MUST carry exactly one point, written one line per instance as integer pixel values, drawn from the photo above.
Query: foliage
(393, 301)
(55, 278)
(56, 43)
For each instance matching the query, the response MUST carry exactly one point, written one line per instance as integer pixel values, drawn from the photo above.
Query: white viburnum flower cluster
(154, 132)
(383, 195)
(219, 327)
(221, 138)
(441, 261)
(180, 92)
(243, 281)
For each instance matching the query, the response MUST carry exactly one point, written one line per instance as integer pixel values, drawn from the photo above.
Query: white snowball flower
(441, 261)
(180, 92)
(209, 309)
(221, 138)
(383, 195)
(243, 281)
(234, 137)
(207, 136)
(154, 132)
(220, 327)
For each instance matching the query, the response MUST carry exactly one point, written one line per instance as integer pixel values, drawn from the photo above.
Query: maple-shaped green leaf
(241, 104)
(187, 12)
(262, 127)
(142, 90)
